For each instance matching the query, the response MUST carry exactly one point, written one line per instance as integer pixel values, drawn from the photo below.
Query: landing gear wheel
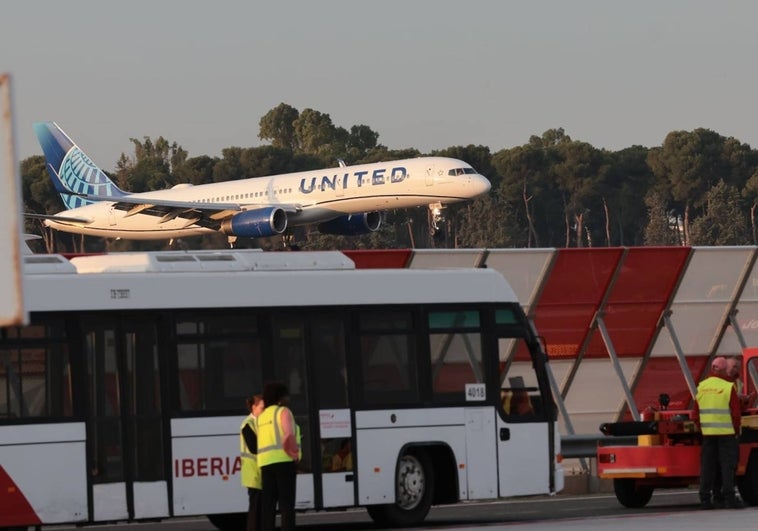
(631, 495)
(414, 488)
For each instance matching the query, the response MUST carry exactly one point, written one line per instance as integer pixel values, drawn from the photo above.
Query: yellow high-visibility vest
(713, 396)
(250, 473)
(271, 437)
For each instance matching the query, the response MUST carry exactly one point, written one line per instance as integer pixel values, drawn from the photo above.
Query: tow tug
(667, 449)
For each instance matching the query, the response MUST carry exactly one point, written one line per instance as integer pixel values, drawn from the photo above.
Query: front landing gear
(435, 213)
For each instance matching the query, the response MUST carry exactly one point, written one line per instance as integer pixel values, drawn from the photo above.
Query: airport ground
(668, 510)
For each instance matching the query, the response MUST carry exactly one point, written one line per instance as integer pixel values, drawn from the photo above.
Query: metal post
(736, 328)
(12, 301)
(616, 365)
(680, 355)
(562, 408)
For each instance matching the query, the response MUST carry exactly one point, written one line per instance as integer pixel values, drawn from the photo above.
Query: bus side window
(455, 347)
(388, 359)
(35, 372)
(330, 370)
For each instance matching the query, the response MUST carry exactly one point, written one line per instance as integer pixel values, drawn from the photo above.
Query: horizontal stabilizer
(65, 219)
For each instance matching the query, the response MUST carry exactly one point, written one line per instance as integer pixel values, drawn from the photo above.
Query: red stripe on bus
(15, 509)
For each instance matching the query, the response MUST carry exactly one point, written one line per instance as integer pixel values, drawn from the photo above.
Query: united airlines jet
(346, 200)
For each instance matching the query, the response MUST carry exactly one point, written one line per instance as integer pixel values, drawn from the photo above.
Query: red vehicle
(667, 449)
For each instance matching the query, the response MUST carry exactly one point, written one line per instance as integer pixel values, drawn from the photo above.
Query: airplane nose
(480, 184)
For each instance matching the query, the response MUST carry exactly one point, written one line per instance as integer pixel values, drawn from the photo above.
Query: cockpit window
(461, 171)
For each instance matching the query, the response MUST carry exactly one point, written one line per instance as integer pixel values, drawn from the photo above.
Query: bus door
(459, 370)
(125, 449)
(524, 451)
(310, 360)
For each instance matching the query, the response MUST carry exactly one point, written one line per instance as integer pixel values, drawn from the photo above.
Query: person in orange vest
(278, 455)
(250, 473)
(718, 409)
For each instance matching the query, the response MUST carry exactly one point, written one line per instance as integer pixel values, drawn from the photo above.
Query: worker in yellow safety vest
(718, 409)
(278, 454)
(250, 472)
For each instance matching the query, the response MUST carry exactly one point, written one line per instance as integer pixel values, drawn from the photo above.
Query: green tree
(579, 172)
(623, 196)
(487, 222)
(196, 170)
(750, 193)
(691, 162)
(39, 197)
(230, 165)
(362, 138)
(315, 131)
(724, 222)
(527, 183)
(151, 167)
(661, 228)
(278, 126)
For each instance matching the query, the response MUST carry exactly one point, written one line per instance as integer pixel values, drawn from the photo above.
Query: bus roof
(242, 278)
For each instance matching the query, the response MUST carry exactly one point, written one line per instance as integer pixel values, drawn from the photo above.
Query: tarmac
(725, 519)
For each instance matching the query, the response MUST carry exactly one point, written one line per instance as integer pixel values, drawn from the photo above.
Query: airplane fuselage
(307, 197)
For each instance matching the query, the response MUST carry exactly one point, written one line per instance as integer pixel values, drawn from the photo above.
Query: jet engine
(258, 223)
(352, 224)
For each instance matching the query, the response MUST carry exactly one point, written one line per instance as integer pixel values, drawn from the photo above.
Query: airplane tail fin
(74, 175)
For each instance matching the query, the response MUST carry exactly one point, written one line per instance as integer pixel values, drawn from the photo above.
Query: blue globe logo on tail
(80, 175)
(71, 170)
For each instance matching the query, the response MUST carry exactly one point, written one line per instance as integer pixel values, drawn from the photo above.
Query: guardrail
(586, 445)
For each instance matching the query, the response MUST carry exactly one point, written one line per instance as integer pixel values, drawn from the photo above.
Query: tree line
(696, 188)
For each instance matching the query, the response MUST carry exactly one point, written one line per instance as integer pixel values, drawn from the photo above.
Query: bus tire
(631, 495)
(414, 492)
(748, 484)
(229, 521)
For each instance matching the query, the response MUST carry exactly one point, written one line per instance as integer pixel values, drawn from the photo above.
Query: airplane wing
(203, 214)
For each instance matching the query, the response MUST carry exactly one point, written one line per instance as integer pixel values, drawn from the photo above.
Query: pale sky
(423, 74)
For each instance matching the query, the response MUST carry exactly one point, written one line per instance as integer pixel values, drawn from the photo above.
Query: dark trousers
(254, 513)
(279, 482)
(719, 453)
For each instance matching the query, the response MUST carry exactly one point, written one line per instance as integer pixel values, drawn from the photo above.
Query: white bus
(121, 400)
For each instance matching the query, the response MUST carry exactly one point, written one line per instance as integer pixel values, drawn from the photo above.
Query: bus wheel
(631, 495)
(414, 491)
(748, 484)
(229, 522)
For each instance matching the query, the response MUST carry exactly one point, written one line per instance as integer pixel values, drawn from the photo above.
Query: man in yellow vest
(250, 473)
(278, 454)
(719, 412)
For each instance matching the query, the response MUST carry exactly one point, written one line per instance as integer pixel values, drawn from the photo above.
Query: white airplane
(346, 200)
